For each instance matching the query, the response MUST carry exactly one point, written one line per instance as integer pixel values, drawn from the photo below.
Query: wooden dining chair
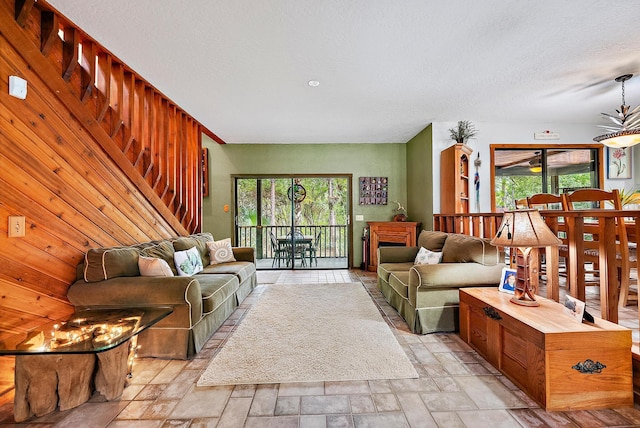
(602, 199)
(549, 201)
(521, 203)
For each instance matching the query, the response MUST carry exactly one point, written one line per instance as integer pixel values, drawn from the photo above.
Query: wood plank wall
(94, 156)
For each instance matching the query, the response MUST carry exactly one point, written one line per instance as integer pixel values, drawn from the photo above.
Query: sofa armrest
(397, 254)
(140, 291)
(244, 254)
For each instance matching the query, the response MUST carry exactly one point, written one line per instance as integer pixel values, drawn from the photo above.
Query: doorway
(295, 222)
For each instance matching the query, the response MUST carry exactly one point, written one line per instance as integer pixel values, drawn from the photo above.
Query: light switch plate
(359, 217)
(16, 226)
(17, 87)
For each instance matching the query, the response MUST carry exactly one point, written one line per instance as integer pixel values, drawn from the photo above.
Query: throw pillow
(161, 250)
(152, 266)
(426, 257)
(105, 263)
(221, 251)
(188, 262)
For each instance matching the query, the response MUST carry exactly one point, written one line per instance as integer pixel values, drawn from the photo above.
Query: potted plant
(463, 131)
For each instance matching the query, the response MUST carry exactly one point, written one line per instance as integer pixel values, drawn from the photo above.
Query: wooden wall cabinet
(455, 169)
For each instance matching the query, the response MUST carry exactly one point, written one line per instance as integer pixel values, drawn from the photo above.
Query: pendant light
(626, 131)
(535, 164)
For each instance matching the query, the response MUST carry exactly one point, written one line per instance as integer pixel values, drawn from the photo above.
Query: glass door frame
(259, 177)
(493, 147)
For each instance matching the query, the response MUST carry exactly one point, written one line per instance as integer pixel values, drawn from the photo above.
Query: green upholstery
(106, 263)
(427, 296)
(201, 303)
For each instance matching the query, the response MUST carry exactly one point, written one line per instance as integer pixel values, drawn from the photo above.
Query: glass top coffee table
(88, 330)
(56, 362)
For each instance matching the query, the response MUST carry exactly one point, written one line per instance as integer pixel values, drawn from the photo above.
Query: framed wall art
(373, 190)
(618, 163)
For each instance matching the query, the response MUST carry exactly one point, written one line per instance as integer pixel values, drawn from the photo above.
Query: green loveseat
(426, 295)
(201, 303)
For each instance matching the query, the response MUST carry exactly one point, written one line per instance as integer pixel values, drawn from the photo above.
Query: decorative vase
(400, 217)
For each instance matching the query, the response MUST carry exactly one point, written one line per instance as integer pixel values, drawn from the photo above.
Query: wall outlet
(359, 217)
(16, 226)
(17, 87)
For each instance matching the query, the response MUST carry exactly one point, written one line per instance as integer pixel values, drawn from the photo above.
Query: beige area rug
(266, 277)
(307, 333)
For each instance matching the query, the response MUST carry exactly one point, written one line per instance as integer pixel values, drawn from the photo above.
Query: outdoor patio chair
(280, 252)
(313, 249)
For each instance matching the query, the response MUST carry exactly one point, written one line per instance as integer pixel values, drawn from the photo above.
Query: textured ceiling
(386, 68)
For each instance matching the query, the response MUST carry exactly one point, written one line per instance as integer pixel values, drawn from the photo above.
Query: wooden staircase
(157, 145)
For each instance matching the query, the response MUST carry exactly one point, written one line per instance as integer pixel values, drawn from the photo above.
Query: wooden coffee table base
(44, 382)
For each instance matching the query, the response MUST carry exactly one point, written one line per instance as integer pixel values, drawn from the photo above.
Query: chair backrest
(521, 203)
(545, 201)
(601, 199)
(274, 241)
(591, 199)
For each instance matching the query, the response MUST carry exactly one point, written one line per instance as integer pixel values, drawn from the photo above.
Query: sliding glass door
(297, 222)
(521, 171)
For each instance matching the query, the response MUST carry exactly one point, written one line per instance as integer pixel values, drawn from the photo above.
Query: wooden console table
(560, 363)
(390, 232)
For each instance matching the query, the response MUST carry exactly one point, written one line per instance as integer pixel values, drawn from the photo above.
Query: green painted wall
(420, 178)
(360, 160)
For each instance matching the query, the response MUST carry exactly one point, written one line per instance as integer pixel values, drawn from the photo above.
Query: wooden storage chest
(561, 364)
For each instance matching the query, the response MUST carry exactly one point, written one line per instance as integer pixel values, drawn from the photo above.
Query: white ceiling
(387, 68)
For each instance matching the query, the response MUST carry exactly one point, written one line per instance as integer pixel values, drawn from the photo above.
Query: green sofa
(201, 303)
(426, 295)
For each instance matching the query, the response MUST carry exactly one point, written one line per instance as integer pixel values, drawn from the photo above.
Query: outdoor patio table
(304, 240)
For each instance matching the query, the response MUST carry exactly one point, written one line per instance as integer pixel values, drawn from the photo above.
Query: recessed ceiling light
(313, 83)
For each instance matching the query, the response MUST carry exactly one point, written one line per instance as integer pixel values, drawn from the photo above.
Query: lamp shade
(524, 228)
(620, 139)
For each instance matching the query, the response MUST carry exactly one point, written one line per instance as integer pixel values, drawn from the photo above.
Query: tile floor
(456, 388)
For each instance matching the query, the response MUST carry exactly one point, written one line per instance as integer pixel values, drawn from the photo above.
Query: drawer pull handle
(589, 367)
(491, 313)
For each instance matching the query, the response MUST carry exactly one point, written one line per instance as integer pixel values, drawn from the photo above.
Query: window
(524, 170)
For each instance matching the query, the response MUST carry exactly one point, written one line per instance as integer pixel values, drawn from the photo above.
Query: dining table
(305, 241)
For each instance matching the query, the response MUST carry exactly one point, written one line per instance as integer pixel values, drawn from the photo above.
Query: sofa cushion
(464, 249)
(162, 250)
(399, 281)
(152, 266)
(198, 240)
(216, 289)
(220, 251)
(432, 240)
(242, 270)
(105, 263)
(385, 269)
(188, 262)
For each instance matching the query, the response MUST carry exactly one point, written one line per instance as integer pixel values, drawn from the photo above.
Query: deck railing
(333, 240)
(481, 225)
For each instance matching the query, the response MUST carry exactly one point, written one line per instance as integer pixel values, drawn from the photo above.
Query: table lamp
(524, 229)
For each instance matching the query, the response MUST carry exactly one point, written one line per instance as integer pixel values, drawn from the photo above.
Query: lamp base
(524, 302)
